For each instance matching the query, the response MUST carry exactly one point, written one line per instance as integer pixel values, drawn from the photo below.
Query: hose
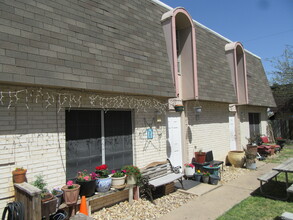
(14, 211)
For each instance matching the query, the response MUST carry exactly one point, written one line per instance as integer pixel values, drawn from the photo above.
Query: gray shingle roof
(114, 46)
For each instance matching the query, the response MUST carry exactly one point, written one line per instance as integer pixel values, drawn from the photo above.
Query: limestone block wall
(32, 131)
(209, 130)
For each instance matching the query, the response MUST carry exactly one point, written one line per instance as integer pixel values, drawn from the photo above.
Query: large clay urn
(236, 158)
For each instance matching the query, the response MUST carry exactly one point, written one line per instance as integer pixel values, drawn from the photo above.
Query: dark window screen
(84, 135)
(83, 141)
(118, 138)
(254, 124)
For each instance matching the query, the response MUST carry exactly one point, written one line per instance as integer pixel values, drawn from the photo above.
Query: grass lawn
(258, 207)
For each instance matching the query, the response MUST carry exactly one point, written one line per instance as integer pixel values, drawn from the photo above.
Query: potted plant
(118, 178)
(198, 175)
(70, 192)
(214, 179)
(19, 175)
(58, 193)
(48, 201)
(133, 174)
(87, 183)
(200, 156)
(205, 177)
(189, 169)
(213, 169)
(103, 180)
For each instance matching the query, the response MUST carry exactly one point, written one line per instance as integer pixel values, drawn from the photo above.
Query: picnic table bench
(158, 174)
(267, 177)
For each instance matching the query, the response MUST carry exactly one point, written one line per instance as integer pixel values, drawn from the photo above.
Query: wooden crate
(169, 188)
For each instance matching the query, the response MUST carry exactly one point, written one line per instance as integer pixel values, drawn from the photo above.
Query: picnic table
(286, 167)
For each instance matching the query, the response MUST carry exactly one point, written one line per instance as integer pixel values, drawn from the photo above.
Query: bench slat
(166, 179)
(268, 176)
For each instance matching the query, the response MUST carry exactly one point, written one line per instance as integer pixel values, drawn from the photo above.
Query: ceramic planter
(236, 158)
(87, 188)
(131, 180)
(189, 171)
(19, 176)
(118, 181)
(70, 196)
(59, 197)
(103, 184)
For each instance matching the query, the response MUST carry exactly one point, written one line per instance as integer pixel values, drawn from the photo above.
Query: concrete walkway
(213, 201)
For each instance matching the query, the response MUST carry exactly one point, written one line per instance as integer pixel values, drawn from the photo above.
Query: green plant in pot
(118, 178)
(49, 202)
(87, 182)
(103, 181)
(133, 174)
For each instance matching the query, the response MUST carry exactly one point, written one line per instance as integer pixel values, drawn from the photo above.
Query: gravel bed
(144, 209)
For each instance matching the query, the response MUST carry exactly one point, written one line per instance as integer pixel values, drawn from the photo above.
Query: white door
(174, 150)
(232, 132)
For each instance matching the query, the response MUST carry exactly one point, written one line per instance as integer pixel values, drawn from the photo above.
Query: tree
(283, 73)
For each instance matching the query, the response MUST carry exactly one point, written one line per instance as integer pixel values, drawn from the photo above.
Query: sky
(264, 27)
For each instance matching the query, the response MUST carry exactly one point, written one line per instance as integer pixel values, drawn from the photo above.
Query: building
(89, 82)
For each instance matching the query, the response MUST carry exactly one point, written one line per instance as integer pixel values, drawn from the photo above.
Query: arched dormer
(237, 61)
(181, 47)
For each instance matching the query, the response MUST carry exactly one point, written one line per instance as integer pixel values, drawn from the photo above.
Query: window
(254, 124)
(94, 137)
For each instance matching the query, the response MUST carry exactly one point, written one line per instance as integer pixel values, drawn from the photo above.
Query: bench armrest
(174, 169)
(144, 180)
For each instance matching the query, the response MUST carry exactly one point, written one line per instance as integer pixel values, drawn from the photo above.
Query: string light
(69, 99)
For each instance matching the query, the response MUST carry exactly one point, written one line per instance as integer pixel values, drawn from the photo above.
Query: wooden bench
(267, 177)
(158, 174)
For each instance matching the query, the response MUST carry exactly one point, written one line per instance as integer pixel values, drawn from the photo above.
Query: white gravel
(144, 209)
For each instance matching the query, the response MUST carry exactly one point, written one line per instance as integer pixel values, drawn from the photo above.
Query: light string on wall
(78, 99)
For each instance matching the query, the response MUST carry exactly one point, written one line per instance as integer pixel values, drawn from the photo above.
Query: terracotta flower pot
(200, 157)
(19, 176)
(71, 195)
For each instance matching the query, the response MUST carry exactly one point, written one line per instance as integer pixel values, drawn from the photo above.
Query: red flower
(102, 167)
